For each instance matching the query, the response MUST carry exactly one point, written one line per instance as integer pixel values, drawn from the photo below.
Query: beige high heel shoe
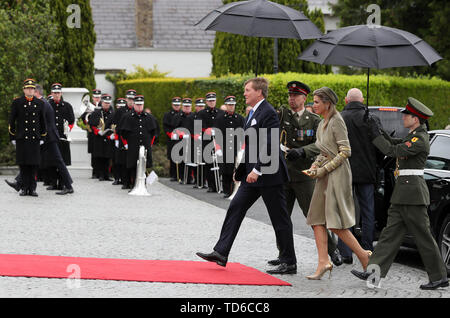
(328, 267)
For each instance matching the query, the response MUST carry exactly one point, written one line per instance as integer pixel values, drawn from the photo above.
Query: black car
(437, 177)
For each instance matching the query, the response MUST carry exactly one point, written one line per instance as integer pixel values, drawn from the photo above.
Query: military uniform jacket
(102, 145)
(27, 127)
(299, 133)
(63, 111)
(208, 116)
(138, 130)
(169, 124)
(230, 145)
(186, 121)
(411, 153)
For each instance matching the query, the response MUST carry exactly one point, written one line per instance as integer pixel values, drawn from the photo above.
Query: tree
(76, 52)
(237, 54)
(24, 51)
(426, 19)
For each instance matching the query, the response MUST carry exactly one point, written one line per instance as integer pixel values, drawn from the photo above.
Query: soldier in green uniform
(410, 198)
(298, 129)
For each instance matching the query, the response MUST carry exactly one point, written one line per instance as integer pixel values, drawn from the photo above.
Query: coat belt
(411, 172)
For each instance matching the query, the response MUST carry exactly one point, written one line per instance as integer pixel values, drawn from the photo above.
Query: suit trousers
(411, 219)
(302, 192)
(58, 172)
(275, 201)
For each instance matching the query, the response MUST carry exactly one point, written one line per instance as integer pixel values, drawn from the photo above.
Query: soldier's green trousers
(413, 219)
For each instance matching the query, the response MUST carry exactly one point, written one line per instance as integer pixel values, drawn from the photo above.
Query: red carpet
(199, 272)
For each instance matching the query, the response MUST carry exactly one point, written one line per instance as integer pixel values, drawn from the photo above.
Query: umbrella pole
(368, 76)
(257, 57)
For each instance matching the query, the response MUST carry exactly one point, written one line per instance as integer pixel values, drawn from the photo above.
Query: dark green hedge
(384, 91)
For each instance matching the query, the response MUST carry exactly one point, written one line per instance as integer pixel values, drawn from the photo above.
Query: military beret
(296, 87)
(210, 96)
(416, 108)
(56, 88)
(176, 101)
(96, 92)
(121, 102)
(106, 98)
(29, 83)
(139, 100)
(131, 93)
(230, 100)
(187, 101)
(200, 102)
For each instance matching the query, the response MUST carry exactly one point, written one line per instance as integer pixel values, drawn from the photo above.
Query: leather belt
(410, 172)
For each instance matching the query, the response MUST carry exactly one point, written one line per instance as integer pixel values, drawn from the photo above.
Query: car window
(391, 119)
(439, 157)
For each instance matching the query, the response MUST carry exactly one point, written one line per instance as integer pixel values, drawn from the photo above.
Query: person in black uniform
(168, 127)
(26, 130)
(117, 163)
(100, 122)
(200, 104)
(184, 121)
(138, 129)
(229, 120)
(208, 117)
(64, 120)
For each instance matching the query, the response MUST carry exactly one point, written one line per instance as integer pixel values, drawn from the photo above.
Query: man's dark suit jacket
(265, 116)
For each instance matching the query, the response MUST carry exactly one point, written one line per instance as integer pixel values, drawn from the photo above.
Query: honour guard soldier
(410, 197)
(100, 122)
(227, 123)
(137, 129)
(185, 119)
(208, 117)
(200, 104)
(121, 104)
(169, 126)
(298, 129)
(64, 121)
(26, 129)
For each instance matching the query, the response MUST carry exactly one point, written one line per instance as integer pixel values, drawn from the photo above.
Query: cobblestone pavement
(101, 220)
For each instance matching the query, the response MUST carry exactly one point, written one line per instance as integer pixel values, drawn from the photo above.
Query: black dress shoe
(125, 186)
(283, 268)
(32, 193)
(435, 285)
(214, 257)
(336, 258)
(274, 262)
(361, 275)
(65, 191)
(23, 193)
(52, 187)
(226, 195)
(211, 190)
(116, 182)
(13, 185)
(347, 260)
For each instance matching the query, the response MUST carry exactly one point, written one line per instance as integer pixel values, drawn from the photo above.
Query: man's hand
(252, 177)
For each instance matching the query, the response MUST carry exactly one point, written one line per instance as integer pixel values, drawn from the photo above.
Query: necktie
(250, 114)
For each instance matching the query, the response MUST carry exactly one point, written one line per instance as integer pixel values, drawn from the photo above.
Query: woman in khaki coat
(332, 204)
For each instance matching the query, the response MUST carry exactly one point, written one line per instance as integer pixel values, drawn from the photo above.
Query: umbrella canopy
(370, 46)
(260, 18)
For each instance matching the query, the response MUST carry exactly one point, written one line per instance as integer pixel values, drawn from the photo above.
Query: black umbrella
(260, 18)
(370, 46)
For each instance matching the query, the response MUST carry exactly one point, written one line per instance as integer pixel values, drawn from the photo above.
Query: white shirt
(254, 110)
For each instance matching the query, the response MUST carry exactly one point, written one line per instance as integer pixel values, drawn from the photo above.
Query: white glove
(116, 143)
(219, 153)
(174, 137)
(126, 147)
(112, 137)
(186, 136)
(13, 142)
(41, 142)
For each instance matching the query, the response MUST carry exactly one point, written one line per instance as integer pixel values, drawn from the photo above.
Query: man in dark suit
(259, 178)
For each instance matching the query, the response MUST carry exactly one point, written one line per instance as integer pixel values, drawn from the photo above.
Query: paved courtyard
(101, 220)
